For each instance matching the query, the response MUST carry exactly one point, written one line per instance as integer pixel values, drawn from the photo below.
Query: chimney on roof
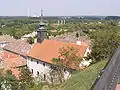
(78, 42)
(41, 32)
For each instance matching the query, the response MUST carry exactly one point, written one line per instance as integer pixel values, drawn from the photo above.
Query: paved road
(109, 77)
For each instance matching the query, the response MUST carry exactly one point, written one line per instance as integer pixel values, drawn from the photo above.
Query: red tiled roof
(49, 49)
(12, 61)
(7, 55)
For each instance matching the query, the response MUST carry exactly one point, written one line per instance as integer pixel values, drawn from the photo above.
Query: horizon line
(56, 15)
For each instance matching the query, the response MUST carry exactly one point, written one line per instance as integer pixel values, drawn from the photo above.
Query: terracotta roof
(71, 37)
(84, 42)
(49, 49)
(18, 46)
(12, 61)
(7, 55)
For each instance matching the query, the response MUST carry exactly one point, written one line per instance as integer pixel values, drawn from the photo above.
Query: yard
(83, 80)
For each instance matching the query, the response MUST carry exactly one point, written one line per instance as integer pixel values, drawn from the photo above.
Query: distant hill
(73, 18)
(112, 18)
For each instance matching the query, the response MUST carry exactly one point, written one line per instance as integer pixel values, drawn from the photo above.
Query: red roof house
(49, 49)
(12, 61)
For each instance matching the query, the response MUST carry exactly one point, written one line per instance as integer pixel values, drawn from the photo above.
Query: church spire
(41, 32)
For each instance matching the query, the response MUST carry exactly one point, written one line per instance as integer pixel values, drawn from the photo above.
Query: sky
(60, 7)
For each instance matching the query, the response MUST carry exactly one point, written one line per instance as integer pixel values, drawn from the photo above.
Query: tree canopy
(104, 44)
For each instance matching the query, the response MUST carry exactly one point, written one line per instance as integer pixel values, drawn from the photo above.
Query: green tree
(30, 40)
(26, 78)
(104, 44)
(10, 81)
(1, 79)
(68, 59)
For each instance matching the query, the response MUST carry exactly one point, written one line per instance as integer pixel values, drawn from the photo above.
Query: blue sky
(60, 7)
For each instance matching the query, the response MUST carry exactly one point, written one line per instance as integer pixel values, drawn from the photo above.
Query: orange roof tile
(7, 55)
(49, 49)
(11, 61)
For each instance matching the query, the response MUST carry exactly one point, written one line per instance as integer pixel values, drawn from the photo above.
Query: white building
(4, 40)
(2, 44)
(38, 67)
(26, 36)
(43, 51)
(41, 54)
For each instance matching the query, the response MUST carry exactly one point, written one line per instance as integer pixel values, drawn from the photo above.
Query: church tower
(41, 32)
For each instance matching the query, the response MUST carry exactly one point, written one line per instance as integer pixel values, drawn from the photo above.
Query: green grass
(37, 87)
(83, 80)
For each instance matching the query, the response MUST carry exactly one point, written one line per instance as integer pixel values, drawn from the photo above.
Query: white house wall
(38, 67)
(2, 44)
(87, 51)
(85, 63)
(41, 68)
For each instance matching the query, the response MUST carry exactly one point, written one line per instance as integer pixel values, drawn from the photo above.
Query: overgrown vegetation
(8, 80)
(103, 34)
(20, 27)
(105, 41)
(104, 44)
(84, 79)
(68, 60)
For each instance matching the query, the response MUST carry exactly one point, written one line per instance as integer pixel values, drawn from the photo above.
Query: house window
(65, 70)
(37, 62)
(37, 73)
(88, 53)
(44, 77)
(32, 71)
(51, 66)
(43, 64)
(31, 60)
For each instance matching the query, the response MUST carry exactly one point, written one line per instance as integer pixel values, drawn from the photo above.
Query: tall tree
(104, 44)
(10, 81)
(68, 59)
(26, 78)
(69, 56)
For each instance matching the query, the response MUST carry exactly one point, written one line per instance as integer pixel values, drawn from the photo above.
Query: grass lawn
(37, 87)
(83, 80)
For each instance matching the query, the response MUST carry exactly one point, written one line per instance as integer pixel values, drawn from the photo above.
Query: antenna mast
(41, 19)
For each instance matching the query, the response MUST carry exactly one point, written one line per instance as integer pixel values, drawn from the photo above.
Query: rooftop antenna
(41, 18)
